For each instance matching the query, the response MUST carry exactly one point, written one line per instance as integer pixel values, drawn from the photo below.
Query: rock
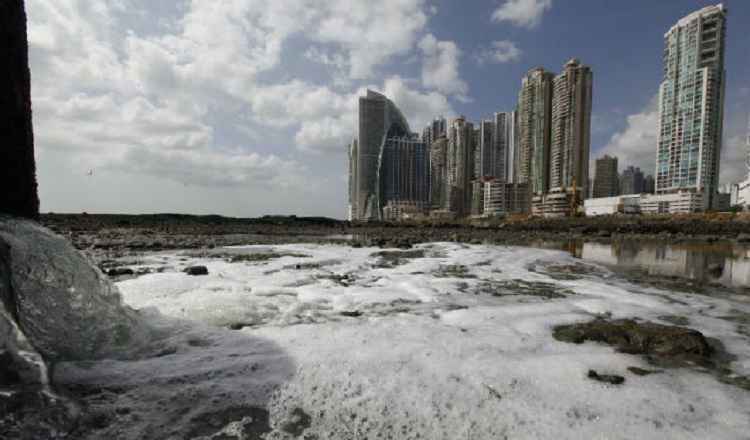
(607, 378)
(743, 238)
(119, 271)
(632, 337)
(196, 270)
(642, 372)
(64, 305)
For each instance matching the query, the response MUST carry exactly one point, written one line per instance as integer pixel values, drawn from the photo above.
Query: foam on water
(443, 341)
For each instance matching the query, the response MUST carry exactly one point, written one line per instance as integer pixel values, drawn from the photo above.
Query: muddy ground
(114, 232)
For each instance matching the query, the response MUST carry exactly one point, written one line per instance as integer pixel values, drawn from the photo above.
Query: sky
(246, 108)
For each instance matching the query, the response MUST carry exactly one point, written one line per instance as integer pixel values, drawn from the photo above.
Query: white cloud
(441, 64)
(733, 157)
(368, 32)
(522, 13)
(202, 94)
(636, 145)
(499, 52)
(419, 108)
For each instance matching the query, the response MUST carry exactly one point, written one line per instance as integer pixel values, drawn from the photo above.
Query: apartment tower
(691, 101)
(460, 160)
(571, 126)
(352, 213)
(533, 131)
(605, 177)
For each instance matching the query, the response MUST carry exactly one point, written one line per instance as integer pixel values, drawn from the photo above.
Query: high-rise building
(533, 130)
(379, 119)
(460, 166)
(495, 146)
(691, 101)
(747, 160)
(485, 149)
(605, 177)
(631, 181)
(433, 130)
(571, 122)
(439, 173)
(403, 176)
(352, 214)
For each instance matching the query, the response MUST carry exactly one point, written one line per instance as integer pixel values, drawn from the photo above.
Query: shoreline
(174, 231)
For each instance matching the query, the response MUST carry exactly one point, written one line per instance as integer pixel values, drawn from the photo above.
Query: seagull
(90, 173)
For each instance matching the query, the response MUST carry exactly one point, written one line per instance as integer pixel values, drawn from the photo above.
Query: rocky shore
(112, 232)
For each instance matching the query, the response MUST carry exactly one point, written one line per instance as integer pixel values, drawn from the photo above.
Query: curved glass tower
(379, 118)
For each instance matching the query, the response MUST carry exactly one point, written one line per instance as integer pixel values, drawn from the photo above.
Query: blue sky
(246, 107)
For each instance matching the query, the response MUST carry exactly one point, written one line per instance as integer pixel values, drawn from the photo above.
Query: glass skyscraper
(691, 101)
(379, 119)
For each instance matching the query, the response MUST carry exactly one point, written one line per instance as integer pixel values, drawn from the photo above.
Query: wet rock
(196, 270)
(629, 336)
(641, 371)
(613, 379)
(119, 271)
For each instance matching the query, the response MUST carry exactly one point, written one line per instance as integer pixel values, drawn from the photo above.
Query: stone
(613, 379)
(629, 336)
(196, 270)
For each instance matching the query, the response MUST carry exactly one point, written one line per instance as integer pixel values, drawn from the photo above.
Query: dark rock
(119, 271)
(641, 371)
(351, 314)
(606, 378)
(629, 336)
(196, 270)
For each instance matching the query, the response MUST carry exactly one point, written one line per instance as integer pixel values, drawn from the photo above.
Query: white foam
(419, 349)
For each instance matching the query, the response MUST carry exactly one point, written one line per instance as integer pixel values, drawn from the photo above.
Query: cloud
(499, 52)
(636, 145)
(418, 108)
(522, 13)
(224, 94)
(368, 32)
(734, 152)
(440, 68)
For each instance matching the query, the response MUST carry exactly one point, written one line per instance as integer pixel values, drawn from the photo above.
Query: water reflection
(724, 263)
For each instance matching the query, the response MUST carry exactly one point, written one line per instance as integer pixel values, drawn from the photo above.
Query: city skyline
(244, 110)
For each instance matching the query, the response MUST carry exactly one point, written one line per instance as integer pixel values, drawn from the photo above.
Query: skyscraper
(747, 159)
(495, 146)
(403, 175)
(691, 101)
(439, 173)
(432, 131)
(379, 119)
(460, 166)
(533, 130)
(605, 177)
(631, 181)
(352, 214)
(571, 121)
